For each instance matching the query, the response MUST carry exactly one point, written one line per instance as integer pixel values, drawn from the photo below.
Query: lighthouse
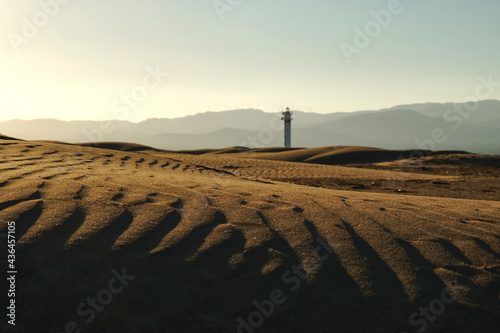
(287, 118)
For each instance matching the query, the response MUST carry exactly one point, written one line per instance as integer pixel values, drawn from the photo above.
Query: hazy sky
(87, 56)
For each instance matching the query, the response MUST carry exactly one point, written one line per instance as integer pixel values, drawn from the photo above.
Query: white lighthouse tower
(287, 118)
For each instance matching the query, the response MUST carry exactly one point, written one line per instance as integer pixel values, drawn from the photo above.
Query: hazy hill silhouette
(248, 119)
(487, 110)
(401, 127)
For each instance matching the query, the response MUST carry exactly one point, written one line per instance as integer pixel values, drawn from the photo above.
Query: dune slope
(204, 248)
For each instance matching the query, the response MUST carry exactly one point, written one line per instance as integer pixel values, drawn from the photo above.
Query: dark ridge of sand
(4, 137)
(459, 159)
(124, 146)
(337, 155)
(206, 237)
(228, 150)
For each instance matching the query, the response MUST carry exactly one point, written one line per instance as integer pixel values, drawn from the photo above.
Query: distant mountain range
(474, 127)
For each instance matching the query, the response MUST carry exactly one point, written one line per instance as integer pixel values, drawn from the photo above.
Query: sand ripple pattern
(204, 242)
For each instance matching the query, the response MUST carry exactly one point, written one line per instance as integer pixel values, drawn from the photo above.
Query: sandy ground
(138, 240)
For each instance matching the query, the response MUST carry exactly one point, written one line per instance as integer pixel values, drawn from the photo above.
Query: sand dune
(208, 238)
(4, 137)
(338, 155)
(119, 146)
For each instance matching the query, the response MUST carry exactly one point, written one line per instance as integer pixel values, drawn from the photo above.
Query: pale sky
(78, 62)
